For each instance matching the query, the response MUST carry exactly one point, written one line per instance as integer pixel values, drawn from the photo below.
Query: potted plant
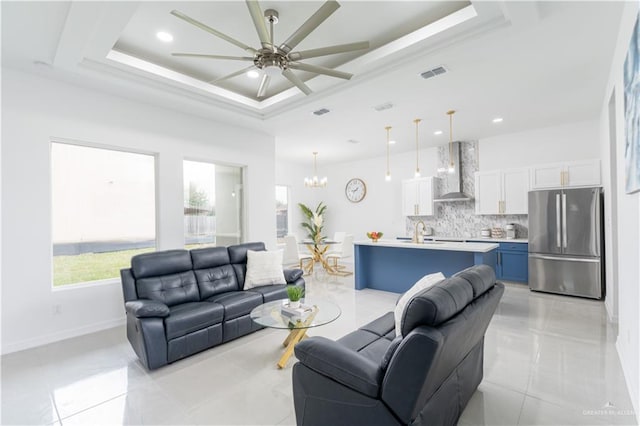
(314, 222)
(294, 293)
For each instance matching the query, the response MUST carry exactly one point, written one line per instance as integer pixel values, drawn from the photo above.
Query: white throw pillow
(263, 268)
(424, 282)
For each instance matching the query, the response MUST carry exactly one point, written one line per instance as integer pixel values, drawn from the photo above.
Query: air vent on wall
(384, 106)
(321, 111)
(433, 72)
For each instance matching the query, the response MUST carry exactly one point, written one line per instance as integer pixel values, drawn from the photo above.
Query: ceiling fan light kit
(275, 60)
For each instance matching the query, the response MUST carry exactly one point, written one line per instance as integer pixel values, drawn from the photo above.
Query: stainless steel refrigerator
(565, 242)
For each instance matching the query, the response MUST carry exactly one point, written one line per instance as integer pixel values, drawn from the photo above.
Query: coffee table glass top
(321, 312)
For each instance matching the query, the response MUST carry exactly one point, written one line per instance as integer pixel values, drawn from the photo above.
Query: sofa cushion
(189, 317)
(237, 303)
(238, 258)
(401, 307)
(216, 280)
(210, 257)
(170, 289)
(263, 268)
(481, 278)
(271, 292)
(437, 304)
(371, 340)
(160, 263)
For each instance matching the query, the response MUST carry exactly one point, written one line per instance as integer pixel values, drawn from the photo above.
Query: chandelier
(388, 176)
(315, 182)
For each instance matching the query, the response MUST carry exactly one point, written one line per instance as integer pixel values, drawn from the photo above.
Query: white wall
(37, 109)
(567, 142)
(381, 208)
(625, 209)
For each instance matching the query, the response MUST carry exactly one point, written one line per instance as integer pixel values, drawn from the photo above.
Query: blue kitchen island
(395, 265)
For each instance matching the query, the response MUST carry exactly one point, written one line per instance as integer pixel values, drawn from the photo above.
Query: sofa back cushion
(213, 271)
(481, 278)
(238, 258)
(165, 276)
(437, 304)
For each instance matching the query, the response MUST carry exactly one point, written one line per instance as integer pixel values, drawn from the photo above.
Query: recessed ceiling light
(384, 106)
(354, 141)
(437, 132)
(392, 142)
(164, 36)
(497, 120)
(253, 74)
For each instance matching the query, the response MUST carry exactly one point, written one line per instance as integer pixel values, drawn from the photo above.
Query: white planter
(293, 304)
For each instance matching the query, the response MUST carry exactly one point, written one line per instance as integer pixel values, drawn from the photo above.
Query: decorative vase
(294, 305)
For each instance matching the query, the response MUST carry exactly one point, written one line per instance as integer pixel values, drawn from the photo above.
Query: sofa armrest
(341, 364)
(292, 275)
(147, 309)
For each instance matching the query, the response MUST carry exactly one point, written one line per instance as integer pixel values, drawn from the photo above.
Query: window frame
(243, 174)
(156, 195)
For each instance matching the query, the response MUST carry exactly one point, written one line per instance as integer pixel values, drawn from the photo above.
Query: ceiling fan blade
(210, 30)
(289, 75)
(233, 74)
(198, 55)
(262, 90)
(258, 22)
(320, 70)
(311, 24)
(329, 50)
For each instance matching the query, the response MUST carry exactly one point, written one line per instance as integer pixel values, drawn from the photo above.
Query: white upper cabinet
(417, 197)
(568, 174)
(502, 191)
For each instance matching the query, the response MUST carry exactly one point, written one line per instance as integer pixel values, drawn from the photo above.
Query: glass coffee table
(319, 312)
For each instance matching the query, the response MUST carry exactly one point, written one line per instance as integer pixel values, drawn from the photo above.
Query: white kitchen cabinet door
(425, 196)
(409, 197)
(417, 197)
(515, 191)
(547, 176)
(583, 173)
(566, 175)
(488, 192)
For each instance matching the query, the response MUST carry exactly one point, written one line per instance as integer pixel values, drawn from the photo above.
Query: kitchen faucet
(418, 236)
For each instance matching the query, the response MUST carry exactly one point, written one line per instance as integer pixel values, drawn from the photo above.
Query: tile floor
(549, 360)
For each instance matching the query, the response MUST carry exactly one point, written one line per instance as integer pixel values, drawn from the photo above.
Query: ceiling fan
(272, 59)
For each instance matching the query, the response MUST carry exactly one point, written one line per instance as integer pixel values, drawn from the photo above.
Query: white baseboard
(62, 335)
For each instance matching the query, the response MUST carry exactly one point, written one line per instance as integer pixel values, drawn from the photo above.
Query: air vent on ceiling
(433, 72)
(321, 111)
(382, 107)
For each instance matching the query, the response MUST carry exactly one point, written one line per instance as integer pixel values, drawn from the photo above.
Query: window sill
(88, 284)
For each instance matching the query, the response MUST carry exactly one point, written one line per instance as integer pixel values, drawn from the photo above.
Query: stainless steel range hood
(453, 180)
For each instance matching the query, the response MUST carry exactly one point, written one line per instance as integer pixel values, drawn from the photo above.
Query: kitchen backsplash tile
(458, 218)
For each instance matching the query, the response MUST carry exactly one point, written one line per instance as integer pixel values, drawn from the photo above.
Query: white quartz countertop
(433, 245)
(464, 239)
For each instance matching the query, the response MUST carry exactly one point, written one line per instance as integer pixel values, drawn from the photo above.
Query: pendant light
(314, 181)
(417, 121)
(388, 176)
(451, 165)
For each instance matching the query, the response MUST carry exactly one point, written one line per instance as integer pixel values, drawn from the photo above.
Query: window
(282, 212)
(212, 204)
(103, 211)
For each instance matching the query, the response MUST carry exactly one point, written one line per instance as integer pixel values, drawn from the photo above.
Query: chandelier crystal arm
(451, 165)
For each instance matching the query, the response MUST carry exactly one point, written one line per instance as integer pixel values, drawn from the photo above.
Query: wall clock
(355, 190)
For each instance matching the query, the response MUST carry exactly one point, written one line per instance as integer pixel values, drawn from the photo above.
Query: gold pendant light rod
(388, 176)
(451, 165)
(417, 121)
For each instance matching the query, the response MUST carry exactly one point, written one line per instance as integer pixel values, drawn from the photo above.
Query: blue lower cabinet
(513, 262)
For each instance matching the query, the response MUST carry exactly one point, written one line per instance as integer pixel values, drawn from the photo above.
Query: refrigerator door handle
(564, 220)
(564, 258)
(558, 220)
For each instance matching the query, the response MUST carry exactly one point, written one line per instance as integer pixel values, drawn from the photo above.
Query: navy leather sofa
(180, 302)
(372, 377)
